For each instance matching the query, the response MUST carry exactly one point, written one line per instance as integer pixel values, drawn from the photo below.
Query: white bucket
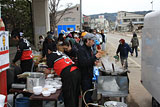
(2, 100)
(114, 104)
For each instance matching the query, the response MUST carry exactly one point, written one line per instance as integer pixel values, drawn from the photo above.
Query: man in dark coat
(86, 61)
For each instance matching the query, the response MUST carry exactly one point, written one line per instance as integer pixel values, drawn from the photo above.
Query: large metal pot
(35, 79)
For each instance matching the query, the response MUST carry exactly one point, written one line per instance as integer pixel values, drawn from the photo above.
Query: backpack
(134, 41)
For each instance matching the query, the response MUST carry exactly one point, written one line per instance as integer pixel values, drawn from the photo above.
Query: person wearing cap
(86, 61)
(82, 34)
(123, 49)
(96, 45)
(64, 67)
(48, 42)
(24, 52)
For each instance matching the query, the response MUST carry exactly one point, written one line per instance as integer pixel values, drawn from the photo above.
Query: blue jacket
(123, 49)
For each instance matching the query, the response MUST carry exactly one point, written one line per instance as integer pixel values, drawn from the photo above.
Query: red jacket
(58, 61)
(24, 51)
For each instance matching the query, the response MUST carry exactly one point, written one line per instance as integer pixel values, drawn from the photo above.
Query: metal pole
(80, 15)
(152, 5)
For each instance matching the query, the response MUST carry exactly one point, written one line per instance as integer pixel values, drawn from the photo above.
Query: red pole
(3, 75)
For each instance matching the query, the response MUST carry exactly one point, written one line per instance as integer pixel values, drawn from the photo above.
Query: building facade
(70, 18)
(86, 22)
(99, 23)
(127, 21)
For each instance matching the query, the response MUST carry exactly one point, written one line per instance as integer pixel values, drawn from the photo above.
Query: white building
(71, 17)
(127, 21)
(99, 23)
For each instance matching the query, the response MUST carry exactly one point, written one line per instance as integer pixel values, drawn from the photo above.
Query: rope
(87, 105)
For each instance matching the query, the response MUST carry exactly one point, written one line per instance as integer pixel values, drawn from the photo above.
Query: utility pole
(152, 4)
(0, 10)
(80, 15)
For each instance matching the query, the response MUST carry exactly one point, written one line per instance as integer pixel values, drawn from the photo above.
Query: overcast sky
(101, 6)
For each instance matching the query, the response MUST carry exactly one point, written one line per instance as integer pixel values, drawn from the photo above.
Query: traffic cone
(2, 27)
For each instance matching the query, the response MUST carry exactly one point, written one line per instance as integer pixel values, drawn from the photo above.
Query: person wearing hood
(135, 43)
(48, 42)
(123, 49)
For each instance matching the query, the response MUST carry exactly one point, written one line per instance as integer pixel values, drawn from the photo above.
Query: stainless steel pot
(35, 79)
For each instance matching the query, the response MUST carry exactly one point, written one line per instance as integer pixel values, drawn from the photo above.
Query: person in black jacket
(71, 50)
(24, 52)
(103, 40)
(48, 42)
(86, 61)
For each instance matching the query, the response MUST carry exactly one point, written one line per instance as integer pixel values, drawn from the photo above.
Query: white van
(151, 56)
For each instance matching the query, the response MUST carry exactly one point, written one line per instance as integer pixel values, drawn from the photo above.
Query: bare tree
(55, 15)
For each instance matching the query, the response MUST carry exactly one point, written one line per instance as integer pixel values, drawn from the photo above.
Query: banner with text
(4, 50)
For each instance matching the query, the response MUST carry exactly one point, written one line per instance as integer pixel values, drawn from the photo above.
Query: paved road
(138, 96)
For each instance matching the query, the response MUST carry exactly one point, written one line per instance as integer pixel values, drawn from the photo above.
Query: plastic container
(52, 90)
(37, 90)
(46, 93)
(116, 57)
(22, 102)
(95, 73)
(114, 104)
(2, 100)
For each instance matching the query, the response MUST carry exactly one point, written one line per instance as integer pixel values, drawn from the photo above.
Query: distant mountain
(112, 16)
(108, 16)
(141, 12)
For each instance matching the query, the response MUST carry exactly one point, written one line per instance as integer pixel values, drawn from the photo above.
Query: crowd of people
(72, 56)
(73, 59)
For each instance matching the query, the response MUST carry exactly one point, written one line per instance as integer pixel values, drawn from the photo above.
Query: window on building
(126, 20)
(70, 29)
(77, 8)
(85, 23)
(134, 20)
(69, 19)
(141, 20)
